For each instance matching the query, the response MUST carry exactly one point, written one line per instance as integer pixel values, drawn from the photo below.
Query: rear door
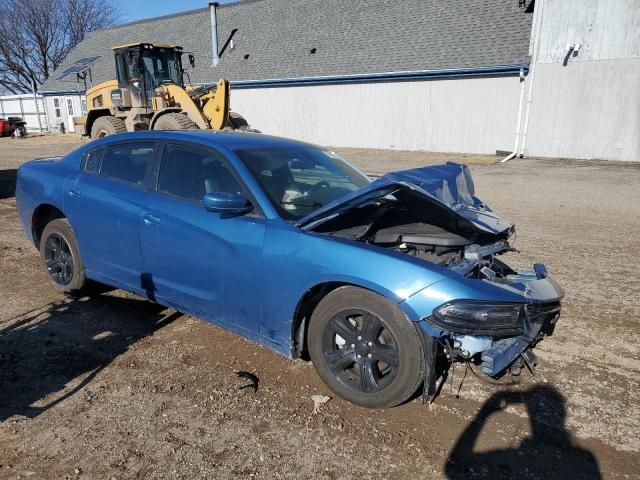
(203, 262)
(103, 204)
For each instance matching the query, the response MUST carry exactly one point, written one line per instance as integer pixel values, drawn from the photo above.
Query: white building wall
(30, 109)
(589, 108)
(607, 29)
(69, 106)
(472, 115)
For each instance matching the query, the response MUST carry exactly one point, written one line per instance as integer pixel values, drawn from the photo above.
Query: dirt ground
(114, 387)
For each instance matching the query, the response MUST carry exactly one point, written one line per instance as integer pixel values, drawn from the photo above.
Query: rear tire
(107, 125)
(61, 259)
(174, 121)
(353, 331)
(238, 122)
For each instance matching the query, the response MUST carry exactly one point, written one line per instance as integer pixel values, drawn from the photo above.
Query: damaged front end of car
(480, 311)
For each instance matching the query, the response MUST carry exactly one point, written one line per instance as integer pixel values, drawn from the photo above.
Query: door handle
(74, 192)
(151, 220)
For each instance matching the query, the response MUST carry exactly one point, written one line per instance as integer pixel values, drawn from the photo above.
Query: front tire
(365, 349)
(61, 259)
(238, 122)
(174, 121)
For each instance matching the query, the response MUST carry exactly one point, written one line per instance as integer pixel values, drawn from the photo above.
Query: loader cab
(143, 67)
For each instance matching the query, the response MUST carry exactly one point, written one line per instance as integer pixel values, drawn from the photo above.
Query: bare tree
(36, 36)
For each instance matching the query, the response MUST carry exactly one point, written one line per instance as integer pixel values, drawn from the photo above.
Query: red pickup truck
(10, 125)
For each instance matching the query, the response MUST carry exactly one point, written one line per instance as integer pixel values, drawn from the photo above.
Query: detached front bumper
(493, 351)
(495, 355)
(540, 321)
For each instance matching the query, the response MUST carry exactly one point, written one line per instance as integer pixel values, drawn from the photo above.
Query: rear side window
(127, 162)
(92, 160)
(191, 173)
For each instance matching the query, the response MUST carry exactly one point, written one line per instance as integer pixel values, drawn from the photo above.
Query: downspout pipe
(518, 122)
(213, 11)
(535, 48)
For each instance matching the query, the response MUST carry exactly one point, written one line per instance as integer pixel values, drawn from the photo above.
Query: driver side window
(190, 173)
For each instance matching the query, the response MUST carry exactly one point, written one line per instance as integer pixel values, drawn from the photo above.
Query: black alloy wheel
(58, 259)
(365, 348)
(360, 351)
(61, 259)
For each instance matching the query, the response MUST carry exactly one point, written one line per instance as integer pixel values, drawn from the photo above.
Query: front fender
(187, 105)
(296, 261)
(162, 112)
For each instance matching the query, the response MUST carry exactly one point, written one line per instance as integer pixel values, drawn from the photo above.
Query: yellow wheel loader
(150, 94)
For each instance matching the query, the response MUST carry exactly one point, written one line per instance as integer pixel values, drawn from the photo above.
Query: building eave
(497, 70)
(384, 77)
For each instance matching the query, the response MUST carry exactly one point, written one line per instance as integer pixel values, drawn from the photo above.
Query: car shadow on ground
(8, 183)
(47, 357)
(549, 452)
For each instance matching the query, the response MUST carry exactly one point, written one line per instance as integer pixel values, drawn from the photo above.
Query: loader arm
(216, 106)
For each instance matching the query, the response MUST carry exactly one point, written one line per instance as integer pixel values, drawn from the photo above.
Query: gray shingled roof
(350, 37)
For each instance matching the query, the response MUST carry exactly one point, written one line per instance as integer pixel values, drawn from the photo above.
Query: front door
(202, 262)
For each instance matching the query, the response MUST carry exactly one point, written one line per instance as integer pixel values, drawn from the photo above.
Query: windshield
(161, 65)
(299, 180)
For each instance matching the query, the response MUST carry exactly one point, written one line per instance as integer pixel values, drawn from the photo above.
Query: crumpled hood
(449, 184)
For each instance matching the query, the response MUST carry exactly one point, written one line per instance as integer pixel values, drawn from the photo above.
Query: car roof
(230, 140)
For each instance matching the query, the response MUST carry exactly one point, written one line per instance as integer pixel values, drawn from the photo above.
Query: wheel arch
(41, 216)
(162, 112)
(92, 116)
(310, 300)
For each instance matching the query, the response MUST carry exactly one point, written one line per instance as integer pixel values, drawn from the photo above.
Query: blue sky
(133, 10)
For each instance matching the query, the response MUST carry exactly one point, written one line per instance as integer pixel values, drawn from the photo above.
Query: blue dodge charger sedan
(289, 245)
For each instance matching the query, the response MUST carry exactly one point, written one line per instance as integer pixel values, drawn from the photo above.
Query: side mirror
(231, 203)
(192, 60)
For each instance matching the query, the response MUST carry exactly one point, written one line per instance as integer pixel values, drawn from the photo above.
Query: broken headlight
(478, 318)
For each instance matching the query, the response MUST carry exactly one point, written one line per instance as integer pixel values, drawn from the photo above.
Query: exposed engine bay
(410, 223)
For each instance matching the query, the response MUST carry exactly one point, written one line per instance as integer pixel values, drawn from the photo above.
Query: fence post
(35, 101)
(1, 107)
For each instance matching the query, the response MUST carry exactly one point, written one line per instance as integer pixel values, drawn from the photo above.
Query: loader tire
(238, 122)
(107, 125)
(175, 121)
